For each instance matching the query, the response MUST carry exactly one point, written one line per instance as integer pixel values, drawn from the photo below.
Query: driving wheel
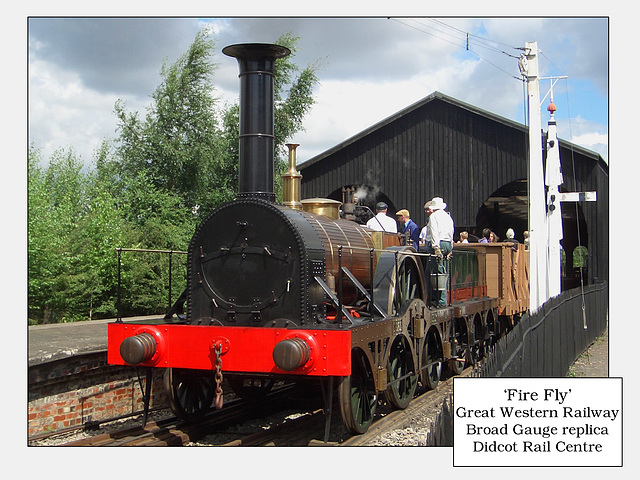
(357, 394)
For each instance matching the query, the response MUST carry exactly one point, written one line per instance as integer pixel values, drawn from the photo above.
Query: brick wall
(81, 389)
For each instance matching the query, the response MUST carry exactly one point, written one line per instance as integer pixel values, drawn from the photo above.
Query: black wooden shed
(477, 162)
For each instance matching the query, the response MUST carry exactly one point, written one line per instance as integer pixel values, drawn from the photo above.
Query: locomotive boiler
(291, 291)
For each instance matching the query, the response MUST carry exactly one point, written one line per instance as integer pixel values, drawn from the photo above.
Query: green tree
(293, 93)
(56, 200)
(181, 144)
(152, 219)
(42, 240)
(178, 142)
(91, 281)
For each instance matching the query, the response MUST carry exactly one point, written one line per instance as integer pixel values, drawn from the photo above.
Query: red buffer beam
(243, 349)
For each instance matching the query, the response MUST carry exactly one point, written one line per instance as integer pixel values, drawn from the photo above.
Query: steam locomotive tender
(294, 292)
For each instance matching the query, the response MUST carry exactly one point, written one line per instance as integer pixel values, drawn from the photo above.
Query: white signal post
(545, 212)
(553, 179)
(538, 284)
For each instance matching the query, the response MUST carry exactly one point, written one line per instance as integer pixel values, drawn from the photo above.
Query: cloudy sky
(370, 68)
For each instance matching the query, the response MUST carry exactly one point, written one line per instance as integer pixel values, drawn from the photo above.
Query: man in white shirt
(381, 222)
(439, 241)
(440, 226)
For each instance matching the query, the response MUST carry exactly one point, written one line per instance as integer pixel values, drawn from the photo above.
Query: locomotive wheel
(493, 330)
(406, 286)
(190, 392)
(250, 388)
(431, 362)
(478, 349)
(357, 395)
(458, 346)
(401, 368)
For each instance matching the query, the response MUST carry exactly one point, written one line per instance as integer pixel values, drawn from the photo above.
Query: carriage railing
(170, 253)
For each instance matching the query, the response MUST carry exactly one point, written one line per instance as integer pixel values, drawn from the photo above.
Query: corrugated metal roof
(426, 100)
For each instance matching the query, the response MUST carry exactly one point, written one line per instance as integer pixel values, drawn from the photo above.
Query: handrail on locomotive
(169, 252)
(369, 295)
(374, 309)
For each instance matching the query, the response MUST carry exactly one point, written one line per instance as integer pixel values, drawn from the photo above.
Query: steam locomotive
(292, 291)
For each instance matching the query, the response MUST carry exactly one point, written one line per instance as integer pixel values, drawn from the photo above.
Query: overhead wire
(466, 41)
(427, 32)
(486, 43)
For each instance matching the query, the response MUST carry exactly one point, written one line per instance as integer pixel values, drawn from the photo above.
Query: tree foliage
(177, 144)
(73, 225)
(147, 190)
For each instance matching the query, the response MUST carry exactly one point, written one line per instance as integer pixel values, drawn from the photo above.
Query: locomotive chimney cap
(256, 50)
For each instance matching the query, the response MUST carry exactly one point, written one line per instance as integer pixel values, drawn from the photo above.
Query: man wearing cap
(439, 241)
(381, 222)
(425, 229)
(409, 227)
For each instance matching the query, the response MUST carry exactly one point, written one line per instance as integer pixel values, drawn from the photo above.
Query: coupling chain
(218, 375)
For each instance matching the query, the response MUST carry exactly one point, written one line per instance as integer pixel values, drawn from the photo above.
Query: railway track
(174, 432)
(219, 427)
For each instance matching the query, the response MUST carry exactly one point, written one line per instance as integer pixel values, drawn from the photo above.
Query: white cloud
(64, 113)
(345, 108)
(593, 138)
(598, 142)
(373, 68)
(587, 134)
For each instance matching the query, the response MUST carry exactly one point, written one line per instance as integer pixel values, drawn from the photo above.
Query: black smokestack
(256, 62)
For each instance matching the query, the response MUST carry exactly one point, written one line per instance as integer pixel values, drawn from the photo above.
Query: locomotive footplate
(471, 307)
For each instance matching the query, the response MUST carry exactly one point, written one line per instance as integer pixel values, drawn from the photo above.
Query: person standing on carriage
(439, 242)
(381, 222)
(408, 227)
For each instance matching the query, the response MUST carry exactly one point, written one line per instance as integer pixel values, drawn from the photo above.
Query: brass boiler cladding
(346, 244)
(356, 241)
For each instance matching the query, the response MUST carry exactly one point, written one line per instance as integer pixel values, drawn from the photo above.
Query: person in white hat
(439, 241)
